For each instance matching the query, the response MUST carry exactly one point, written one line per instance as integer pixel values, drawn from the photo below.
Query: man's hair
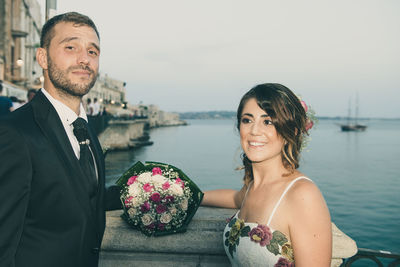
(72, 17)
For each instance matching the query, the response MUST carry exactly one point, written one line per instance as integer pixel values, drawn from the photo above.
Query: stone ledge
(200, 245)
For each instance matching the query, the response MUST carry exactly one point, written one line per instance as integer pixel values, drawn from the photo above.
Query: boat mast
(356, 114)
(349, 112)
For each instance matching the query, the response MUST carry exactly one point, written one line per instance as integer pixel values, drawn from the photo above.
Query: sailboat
(353, 127)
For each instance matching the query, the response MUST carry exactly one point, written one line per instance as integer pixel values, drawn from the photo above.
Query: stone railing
(201, 245)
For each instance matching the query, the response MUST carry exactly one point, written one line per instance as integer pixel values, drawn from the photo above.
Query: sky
(186, 55)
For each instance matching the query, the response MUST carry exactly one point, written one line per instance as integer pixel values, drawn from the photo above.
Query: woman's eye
(268, 122)
(69, 47)
(245, 120)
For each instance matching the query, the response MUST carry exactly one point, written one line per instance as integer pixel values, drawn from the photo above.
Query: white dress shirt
(67, 117)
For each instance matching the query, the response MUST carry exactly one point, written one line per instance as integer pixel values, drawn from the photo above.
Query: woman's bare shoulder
(304, 194)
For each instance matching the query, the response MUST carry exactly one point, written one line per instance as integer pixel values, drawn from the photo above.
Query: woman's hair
(287, 115)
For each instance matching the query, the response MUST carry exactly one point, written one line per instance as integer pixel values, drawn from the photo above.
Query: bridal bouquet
(158, 199)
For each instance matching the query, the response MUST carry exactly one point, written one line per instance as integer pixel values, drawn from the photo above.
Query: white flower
(147, 219)
(134, 189)
(158, 179)
(135, 202)
(173, 210)
(132, 212)
(176, 189)
(165, 217)
(145, 177)
(184, 204)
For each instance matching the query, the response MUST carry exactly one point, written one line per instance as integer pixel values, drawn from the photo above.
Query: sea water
(357, 172)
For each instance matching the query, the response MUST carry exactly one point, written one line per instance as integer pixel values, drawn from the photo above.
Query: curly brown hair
(288, 116)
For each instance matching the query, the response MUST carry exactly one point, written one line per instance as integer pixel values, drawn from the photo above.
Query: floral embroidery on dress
(237, 230)
(287, 252)
(262, 235)
(275, 242)
(278, 239)
(283, 262)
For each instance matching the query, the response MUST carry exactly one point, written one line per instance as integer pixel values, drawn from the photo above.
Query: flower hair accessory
(311, 121)
(310, 115)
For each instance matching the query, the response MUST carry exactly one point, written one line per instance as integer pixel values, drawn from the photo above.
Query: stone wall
(120, 133)
(201, 245)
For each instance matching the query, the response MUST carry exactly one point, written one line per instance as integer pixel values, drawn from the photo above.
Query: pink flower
(304, 105)
(169, 199)
(145, 207)
(128, 201)
(180, 181)
(151, 226)
(155, 197)
(165, 185)
(156, 171)
(309, 124)
(161, 208)
(131, 180)
(261, 234)
(282, 262)
(147, 187)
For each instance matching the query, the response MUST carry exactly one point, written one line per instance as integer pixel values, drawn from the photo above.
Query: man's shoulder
(21, 117)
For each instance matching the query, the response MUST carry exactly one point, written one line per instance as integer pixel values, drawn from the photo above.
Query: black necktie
(86, 158)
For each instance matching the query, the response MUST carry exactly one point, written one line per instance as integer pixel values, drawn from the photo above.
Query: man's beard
(60, 80)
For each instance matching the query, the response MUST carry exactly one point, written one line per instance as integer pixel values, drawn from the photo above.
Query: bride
(282, 217)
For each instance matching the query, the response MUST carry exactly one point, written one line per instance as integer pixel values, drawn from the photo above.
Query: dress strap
(245, 195)
(283, 195)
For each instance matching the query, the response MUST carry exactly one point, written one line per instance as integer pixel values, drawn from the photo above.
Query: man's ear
(41, 57)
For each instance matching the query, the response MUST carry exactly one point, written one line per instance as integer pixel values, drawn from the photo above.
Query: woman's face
(258, 136)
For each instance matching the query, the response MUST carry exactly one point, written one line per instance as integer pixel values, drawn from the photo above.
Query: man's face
(73, 58)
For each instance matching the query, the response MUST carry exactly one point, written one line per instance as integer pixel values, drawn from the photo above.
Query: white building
(20, 25)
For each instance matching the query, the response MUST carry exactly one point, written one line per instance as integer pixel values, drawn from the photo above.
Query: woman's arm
(224, 198)
(309, 226)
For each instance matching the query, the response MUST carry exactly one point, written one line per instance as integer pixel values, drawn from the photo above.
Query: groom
(52, 186)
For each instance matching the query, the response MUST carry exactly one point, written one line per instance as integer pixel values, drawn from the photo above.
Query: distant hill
(207, 115)
(232, 114)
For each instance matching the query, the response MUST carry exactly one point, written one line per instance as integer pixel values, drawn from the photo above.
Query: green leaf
(279, 237)
(245, 231)
(135, 169)
(273, 248)
(232, 222)
(231, 251)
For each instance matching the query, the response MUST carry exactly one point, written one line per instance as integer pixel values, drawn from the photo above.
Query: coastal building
(108, 90)
(110, 93)
(158, 118)
(20, 25)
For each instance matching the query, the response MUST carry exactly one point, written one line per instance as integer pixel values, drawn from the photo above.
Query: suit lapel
(99, 158)
(49, 122)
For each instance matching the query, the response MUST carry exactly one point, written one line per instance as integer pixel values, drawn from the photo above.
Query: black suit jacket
(46, 218)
